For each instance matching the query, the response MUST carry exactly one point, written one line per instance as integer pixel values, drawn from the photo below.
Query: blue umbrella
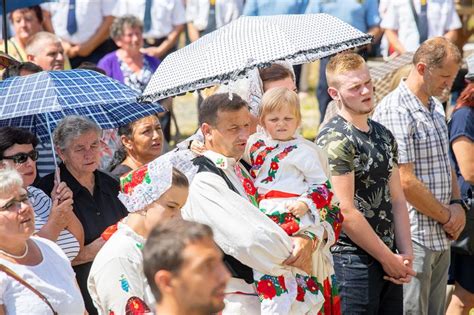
(7, 6)
(38, 102)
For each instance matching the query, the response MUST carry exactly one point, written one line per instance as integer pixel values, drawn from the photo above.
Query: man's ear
(163, 280)
(206, 130)
(421, 68)
(334, 93)
(30, 58)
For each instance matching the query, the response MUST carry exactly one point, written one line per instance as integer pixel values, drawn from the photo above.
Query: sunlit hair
(467, 97)
(434, 52)
(9, 179)
(340, 64)
(278, 98)
(39, 41)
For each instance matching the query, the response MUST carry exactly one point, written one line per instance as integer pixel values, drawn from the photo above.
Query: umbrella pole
(4, 28)
(57, 178)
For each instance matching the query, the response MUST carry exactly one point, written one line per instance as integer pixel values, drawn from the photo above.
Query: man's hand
(456, 222)
(398, 268)
(297, 208)
(301, 255)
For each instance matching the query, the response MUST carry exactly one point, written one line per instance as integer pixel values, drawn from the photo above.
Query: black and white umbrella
(228, 53)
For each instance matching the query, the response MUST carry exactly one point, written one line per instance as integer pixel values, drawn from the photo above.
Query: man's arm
(457, 220)
(400, 214)
(168, 43)
(360, 232)
(394, 41)
(88, 252)
(463, 149)
(86, 48)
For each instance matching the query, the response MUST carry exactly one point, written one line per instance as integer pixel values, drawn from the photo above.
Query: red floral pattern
(287, 221)
(307, 284)
(132, 179)
(249, 187)
(274, 165)
(269, 286)
(136, 306)
(257, 161)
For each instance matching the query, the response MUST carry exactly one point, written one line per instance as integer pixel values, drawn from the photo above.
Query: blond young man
(373, 255)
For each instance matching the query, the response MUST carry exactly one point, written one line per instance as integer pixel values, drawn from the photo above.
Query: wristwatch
(460, 202)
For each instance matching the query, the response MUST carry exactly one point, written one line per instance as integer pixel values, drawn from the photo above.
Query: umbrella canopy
(37, 102)
(248, 42)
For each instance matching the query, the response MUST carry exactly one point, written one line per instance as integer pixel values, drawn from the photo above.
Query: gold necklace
(16, 256)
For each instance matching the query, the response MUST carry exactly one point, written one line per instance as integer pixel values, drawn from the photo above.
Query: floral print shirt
(371, 156)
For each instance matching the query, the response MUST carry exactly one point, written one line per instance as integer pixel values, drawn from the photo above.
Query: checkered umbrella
(248, 42)
(37, 102)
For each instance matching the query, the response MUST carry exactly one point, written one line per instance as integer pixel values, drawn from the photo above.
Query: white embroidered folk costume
(116, 281)
(240, 229)
(285, 172)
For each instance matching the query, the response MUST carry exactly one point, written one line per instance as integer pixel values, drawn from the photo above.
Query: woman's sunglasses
(22, 157)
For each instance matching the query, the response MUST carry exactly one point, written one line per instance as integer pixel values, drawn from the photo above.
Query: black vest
(236, 268)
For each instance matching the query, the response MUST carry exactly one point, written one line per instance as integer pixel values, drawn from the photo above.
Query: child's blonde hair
(278, 98)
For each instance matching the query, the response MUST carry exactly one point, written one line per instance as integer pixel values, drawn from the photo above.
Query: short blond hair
(342, 63)
(277, 98)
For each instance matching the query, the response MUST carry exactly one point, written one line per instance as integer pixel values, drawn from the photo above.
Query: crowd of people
(245, 216)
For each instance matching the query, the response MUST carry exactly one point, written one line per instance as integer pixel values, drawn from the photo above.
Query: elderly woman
(127, 64)
(26, 22)
(152, 194)
(77, 142)
(141, 143)
(35, 275)
(54, 218)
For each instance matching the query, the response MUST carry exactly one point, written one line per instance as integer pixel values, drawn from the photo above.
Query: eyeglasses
(14, 204)
(22, 157)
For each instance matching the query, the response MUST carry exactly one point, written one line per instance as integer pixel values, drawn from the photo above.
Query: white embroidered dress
(116, 280)
(285, 172)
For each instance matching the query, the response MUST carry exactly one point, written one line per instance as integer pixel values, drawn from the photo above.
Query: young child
(294, 191)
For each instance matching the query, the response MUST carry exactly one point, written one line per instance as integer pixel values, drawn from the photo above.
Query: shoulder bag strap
(415, 15)
(13, 274)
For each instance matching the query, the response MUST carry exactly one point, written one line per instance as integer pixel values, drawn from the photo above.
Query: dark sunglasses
(22, 157)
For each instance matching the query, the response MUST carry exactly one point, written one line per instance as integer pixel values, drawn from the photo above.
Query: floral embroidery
(220, 162)
(136, 306)
(139, 246)
(248, 185)
(274, 163)
(111, 312)
(270, 286)
(307, 284)
(287, 221)
(257, 161)
(124, 283)
(332, 300)
(135, 178)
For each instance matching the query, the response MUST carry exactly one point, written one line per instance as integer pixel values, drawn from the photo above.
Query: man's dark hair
(275, 72)
(10, 136)
(165, 245)
(219, 102)
(87, 65)
(15, 69)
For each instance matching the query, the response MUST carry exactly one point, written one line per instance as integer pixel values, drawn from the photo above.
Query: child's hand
(298, 208)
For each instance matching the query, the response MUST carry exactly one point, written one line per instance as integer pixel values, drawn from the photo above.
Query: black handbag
(465, 243)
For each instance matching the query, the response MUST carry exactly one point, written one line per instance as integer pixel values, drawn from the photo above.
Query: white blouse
(53, 277)
(117, 273)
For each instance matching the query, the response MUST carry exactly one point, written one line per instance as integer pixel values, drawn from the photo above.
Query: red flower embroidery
(127, 188)
(290, 227)
(249, 187)
(312, 285)
(139, 175)
(136, 306)
(266, 289)
(274, 166)
(281, 281)
(300, 295)
(319, 200)
(259, 160)
(111, 312)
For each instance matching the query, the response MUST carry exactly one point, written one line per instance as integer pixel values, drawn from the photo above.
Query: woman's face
(17, 219)
(146, 141)
(82, 155)
(131, 39)
(16, 154)
(166, 207)
(25, 23)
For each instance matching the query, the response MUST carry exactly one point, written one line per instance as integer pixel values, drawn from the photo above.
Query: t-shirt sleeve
(390, 17)
(179, 14)
(461, 124)
(340, 152)
(108, 7)
(453, 21)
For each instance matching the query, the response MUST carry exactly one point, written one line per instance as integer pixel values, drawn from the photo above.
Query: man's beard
(354, 110)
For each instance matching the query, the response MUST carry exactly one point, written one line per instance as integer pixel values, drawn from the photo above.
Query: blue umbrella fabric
(38, 102)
